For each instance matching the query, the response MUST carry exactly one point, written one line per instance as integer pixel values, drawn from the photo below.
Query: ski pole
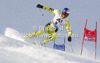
(41, 12)
(71, 47)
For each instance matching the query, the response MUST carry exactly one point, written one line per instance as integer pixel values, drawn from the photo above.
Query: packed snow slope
(15, 50)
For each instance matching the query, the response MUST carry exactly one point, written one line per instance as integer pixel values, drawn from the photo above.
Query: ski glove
(39, 6)
(69, 39)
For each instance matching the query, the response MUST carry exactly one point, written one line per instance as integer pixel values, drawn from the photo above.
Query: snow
(14, 50)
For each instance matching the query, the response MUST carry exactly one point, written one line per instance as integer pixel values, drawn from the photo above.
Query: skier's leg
(52, 37)
(31, 35)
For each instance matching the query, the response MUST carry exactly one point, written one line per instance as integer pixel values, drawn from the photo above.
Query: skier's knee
(54, 36)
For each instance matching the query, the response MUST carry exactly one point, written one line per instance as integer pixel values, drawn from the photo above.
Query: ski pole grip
(39, 6)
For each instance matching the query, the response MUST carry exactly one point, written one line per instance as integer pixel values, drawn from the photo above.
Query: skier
(52, 27)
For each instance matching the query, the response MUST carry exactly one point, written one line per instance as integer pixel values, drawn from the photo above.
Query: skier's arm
(68, 25)
(47, 8)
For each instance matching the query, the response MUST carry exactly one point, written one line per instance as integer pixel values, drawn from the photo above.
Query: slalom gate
(89, 36)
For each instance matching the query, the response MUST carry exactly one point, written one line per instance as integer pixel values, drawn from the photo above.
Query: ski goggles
(65, 14)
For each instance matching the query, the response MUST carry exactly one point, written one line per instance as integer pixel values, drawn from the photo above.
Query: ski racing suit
(52, 27)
